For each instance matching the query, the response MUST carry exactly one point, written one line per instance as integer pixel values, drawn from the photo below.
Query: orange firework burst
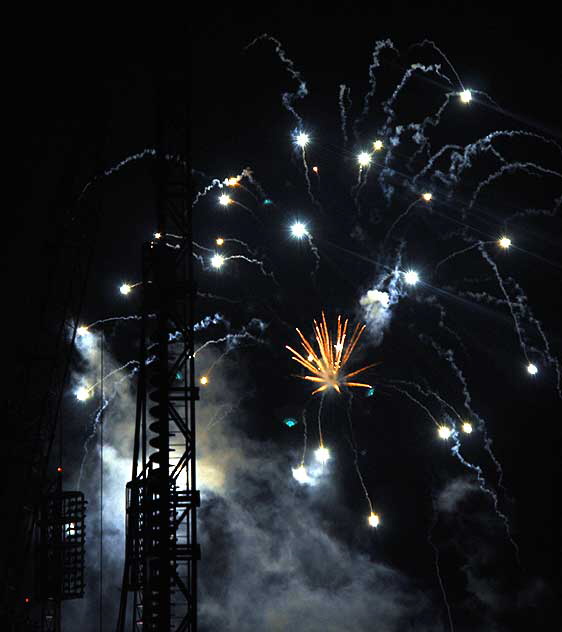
(327, 365)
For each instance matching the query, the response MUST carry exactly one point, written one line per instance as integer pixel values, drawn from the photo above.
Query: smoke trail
(528, 167)
(287, 98)
(448, 355)
(437, 569)
(494, 267)
(344, 90)
(455, 450)
(380, 45)
(353, 445)
(398, 219)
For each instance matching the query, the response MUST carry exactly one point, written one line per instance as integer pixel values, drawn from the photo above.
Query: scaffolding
(161, 551)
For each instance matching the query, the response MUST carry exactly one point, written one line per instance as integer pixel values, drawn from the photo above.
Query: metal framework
(161, 551)
(39, 416)
(40, 373)
(61, 554)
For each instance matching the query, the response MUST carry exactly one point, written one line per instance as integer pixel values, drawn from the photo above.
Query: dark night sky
(74, 85)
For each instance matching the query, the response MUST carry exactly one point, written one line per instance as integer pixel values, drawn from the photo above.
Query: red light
(59, 469)
(27, 600)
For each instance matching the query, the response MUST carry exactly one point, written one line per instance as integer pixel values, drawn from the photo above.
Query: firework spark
(327, 364)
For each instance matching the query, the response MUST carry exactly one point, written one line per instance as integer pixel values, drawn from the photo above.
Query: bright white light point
(231, 182)
(532, 369)
(310, 357)
(82, 393)
(378, 145)
(315, 169)
(338, 346)
(364, 159)
(157, 235)
(300, 474)
(444, 432)
(125, 289)
(217, 261)
(219, 241)
(322, 455)
(505, 242)
(204, 380)
(298, 230)
(302, 140)
(224, 200)
(427, 196)
(465, 96)
(467, 427)
(82, 330)
(411, 277)
(374, 520)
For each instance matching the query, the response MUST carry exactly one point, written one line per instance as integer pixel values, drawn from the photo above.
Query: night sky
(278, 555)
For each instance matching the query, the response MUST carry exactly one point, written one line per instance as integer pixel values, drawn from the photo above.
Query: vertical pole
(188, 219)
(164, 287)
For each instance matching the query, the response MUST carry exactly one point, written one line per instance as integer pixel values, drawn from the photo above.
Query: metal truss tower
(161, 551)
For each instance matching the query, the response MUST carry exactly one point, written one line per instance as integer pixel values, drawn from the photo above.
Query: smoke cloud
(271, 559)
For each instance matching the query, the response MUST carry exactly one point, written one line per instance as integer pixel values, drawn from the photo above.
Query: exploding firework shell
(326, 366)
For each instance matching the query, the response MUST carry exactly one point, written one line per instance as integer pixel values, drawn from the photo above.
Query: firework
(82, 393)
(298, 230)
(444, 432)
(125, 289)
(364, 159)
(302, 139)
(411, 277)
(322, 455)
(217, 261)
(327, 365)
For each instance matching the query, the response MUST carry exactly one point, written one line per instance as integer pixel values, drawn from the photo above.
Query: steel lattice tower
(161, 550)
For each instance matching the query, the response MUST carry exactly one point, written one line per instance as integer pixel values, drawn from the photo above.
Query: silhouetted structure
(161, 550)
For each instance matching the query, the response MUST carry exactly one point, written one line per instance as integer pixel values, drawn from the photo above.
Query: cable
(101, 479)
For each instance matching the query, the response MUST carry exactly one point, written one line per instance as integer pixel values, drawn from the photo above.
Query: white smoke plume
(265, 539)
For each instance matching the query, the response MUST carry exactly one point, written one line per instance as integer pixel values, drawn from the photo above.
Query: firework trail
(216, 297)
(494, 267)
(455, 450)
(287, 98)
(112, 319)
(375, 63)
(232, 339)
(89, 438)
(448, 355)
(400, 217)
(437, 569)
(344, 92)
(529, 168)
(372, 516)
(320, 437)
(416, 401)
(101, 409)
